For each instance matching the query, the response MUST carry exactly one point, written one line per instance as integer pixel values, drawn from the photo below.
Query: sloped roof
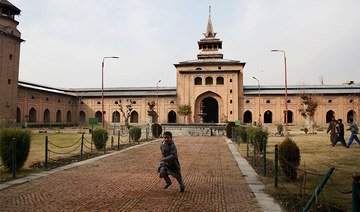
(11, 6)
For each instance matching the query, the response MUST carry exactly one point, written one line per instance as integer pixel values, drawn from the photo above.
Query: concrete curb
(265, 201)
(70, 166)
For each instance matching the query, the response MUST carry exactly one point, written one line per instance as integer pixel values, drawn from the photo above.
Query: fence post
(276, 167)
(14, 157)
(254, 160)
(264, 158)
(82, 146)
(355, 193)
(247, 146)
(46, 152)
(119, 140)
(318, 190)
(104, 143)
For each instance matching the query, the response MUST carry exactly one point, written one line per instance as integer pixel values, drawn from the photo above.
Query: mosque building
(211, 85)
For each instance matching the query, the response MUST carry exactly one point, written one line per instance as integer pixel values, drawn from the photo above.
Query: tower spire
(209, 28)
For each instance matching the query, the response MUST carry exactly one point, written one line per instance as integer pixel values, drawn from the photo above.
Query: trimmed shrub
(261, 136)
(135, 133)
(289, 158)
(156, 130)
(229, 128)
(22, 138)
(243, 133)
(98, 138)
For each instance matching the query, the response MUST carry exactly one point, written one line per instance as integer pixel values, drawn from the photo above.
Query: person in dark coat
(169, 163)
(331, 129)
(339, 136)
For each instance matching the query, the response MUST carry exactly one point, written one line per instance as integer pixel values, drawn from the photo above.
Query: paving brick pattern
(129, 182)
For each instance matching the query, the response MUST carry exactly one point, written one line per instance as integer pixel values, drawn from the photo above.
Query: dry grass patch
(318, 156)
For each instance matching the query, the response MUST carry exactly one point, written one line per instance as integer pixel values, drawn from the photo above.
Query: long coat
(171, 161)
(331, 129)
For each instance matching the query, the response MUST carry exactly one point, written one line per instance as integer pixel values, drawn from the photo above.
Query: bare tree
(309, 106)
(126, 114)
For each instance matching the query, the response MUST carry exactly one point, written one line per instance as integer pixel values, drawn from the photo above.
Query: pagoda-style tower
(210, 45)
(10, 39)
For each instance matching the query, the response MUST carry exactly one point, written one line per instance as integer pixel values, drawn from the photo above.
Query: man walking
(331, 129)
(354, 131)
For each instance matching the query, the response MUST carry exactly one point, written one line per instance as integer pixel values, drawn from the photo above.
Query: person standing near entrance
(339, 136)
(169, 163)
(331, 129)
(354, 131)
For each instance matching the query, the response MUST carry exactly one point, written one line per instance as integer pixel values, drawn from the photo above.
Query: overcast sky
(66, 40)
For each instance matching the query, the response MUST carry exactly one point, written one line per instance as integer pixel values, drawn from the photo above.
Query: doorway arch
(18, 115)
(58, 116)
(211, 109)
(247, 117)
(134, 117)
(46, 115)
(216, 101)
(350, 116)
(290, 116)
(98, 115)
(32, 115)
(68, 116)
(329, 115)
(172, 117)
(116, 117)
(82, 116)
(268, 117)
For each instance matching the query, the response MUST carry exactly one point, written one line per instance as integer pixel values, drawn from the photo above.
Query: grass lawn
(37, 150)
(318, 156)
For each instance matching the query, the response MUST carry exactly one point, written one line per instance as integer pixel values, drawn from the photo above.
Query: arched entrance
(98, 115)
(329, 115)
(268, 117)
(82, 116)
(116, 117)
(247, 117)
(58, 116)
(171, 117)
(32, 115)
(290, 116)
(68, 116)
(211, 108)
(46, 116)
(350, 116)
(134, 117)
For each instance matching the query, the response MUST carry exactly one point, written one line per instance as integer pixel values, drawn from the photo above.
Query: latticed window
(198, 81)
(208, 81)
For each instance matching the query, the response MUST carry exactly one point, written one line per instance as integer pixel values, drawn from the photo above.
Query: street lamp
(259, 98)
(102, 90)
(286, 108)
(157, 102)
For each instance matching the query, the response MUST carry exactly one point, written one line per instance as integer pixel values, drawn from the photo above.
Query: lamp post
(157, 102)
(259, 98)
(286, 107)
(102, 90)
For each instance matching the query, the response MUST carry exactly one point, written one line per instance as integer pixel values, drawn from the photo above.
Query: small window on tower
(32, 97)
(10, 56)
(59, 100)
(230, 90)
(172, 102)
(82, 102)
(9, 81)
(47, 99)
(198, 69)
(351, 101)
(230, 112)
(98, 103)
(219, 68)
(230, 101)
(230, 80)
(116, 102)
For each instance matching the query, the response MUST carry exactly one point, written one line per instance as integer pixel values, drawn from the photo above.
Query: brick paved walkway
(129, 182)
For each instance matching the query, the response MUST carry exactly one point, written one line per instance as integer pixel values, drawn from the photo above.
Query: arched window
(68, 116)
(134, 117)
(32, 115)
(247, 101)
(82, 117)
(58, 116)
(208, 81)
(220, 80)
(329, 115)
(350, 116)
(171, 117)
(46, 116)
(268, 117)
(198, 69)
(268, 101)
(290, 116)
(98, 115)
(247, 117)
(99, 103)
(198, 81)
(116, 117)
